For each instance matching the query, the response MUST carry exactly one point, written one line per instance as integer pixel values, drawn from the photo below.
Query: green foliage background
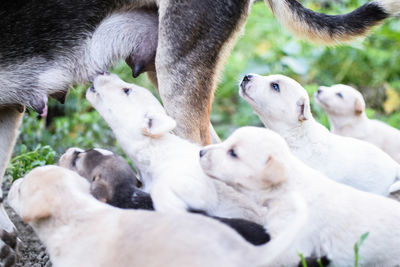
(371, 65)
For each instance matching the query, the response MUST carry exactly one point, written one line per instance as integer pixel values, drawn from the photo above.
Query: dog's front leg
(193, 36)
(10, 120)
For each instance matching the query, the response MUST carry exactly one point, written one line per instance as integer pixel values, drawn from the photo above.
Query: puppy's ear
(37, 207)
(304, 108)
(359, 106)
(273, 173)
(157, 124)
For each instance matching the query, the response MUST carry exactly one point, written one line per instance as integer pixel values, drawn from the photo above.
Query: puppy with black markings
(258, 163)
(283, 106)
(168, 164)
(112, 181)
(345, 107)
(78, 230)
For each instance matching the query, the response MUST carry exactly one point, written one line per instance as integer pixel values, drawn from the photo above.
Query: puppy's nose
(202, 153)
(319, 90)
(245, 80)
(92, 89)
(247, 77)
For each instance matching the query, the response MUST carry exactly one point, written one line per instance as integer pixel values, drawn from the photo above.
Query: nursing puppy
(78, 230)
(345, 107)
(112, 181)
(258, 163)
(168, 165)
(283, 106)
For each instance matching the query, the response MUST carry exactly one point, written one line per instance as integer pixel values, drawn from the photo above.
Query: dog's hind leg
(193, 38)
(10, 120)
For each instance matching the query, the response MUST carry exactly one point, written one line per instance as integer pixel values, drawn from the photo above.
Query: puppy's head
(45, 192)
(250, 159)
(276, 99)
(340, 100)
(108, 173)
(129, 109)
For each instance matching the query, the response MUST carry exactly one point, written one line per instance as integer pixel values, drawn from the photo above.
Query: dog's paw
(9, 248)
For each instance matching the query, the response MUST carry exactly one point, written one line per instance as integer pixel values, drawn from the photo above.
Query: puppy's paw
(9, 248)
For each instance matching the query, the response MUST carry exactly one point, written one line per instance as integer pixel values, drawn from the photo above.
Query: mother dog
(47, 45)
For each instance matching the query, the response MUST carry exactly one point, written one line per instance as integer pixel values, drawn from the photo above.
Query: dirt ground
(32, 251)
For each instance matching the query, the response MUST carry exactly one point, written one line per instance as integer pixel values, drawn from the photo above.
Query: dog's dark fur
(49, 45)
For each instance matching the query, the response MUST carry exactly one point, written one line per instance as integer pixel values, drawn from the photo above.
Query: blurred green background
(371, 65)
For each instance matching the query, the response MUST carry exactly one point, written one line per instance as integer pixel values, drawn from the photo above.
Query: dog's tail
(270, 253)
(330, 29)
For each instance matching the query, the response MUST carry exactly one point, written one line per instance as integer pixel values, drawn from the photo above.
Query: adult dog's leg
(10, 120)
(193, 36)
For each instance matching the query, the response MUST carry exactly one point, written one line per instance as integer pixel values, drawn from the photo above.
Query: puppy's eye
(127, 91)
(275, 87)
(339, 95)
(232, 153)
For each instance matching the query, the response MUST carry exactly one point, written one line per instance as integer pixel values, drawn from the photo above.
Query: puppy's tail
(331, 29)
(270, 253)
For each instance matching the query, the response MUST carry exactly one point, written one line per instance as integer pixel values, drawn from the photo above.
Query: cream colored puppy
(168, 164)
(79, 230)
(345, 107)
(258, 163)
(283, 106)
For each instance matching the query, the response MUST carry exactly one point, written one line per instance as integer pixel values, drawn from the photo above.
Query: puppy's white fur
(78, 230)
(258, 163)
(168, 164)
(343, 159)
(345, 107)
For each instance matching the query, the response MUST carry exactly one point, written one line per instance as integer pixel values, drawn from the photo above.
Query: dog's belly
(64, 47)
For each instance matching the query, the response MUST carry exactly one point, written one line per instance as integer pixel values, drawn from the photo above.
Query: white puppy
(78, 230)
(345, 107)
(283, 106)
(258, 163)
(168, 164)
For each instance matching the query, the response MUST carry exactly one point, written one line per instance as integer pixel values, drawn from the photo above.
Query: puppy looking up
(345, 107)
(283, 106)
(78, 230)
(258, 163)
(168, 164)
(112, 181)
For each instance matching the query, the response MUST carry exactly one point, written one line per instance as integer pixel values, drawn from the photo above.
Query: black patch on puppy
(252, 232)
(131, 198)
(355, 23)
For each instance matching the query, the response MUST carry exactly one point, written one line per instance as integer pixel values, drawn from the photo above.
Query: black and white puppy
(111, 179)
(113, 182)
